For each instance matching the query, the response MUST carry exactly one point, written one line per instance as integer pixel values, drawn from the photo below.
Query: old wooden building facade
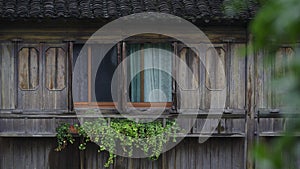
(39, 45)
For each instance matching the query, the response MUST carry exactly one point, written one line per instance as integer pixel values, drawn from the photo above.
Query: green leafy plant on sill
(126, 134)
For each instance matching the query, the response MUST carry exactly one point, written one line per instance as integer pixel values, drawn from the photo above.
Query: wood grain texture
(55, 86)
(29, 77)
(189, 154)
(7, 90)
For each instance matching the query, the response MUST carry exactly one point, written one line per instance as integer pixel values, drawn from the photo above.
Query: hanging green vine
(129, 135)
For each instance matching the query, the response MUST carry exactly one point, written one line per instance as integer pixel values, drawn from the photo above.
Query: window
(83, 92)
(28, 65)
(148, 74)
(104, 75)
(150, 85)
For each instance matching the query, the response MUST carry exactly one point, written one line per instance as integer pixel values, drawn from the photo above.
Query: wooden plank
(89, 55)
(50, 77)
(91, 156)
(199, 153)
(206, 154)
(142, 85)
(33, 68)
(80, 75)
(1, 56)
(259, 80)
(250, 106)
(204, 92)
(178, 155)
(279, 72)
(192, 153)
(237, 153)
(214, 154)
(170, 159)
(18, 157)
(61, 68)
(174, 75)
(24, 80)
(9, 155)
(124, 93)
(70, 53)
(48, 147)
(267, 84)
(7, 80)
(237, 78)
(227, 154)
(122, 162)
(81, 30)
(214, 79)
(184, 157)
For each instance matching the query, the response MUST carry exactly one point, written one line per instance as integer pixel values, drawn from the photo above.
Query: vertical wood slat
(80, 75)
(250, 105)
(34, 68)
(237, 153)
(1, 56)
(174, 74)
(237, 78)
(142, 74)
(70, 77)
(120, 77)
(180, 78)
(7, 83)
(23, 68)
(124, 93)
(89, 54)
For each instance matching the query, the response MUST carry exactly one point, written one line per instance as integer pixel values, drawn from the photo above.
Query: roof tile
(191, 9)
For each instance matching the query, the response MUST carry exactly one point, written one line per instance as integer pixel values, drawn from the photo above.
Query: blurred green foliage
(277, 22)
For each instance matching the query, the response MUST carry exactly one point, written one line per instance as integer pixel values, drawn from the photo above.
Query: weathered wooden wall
(29, 153)
(27, 120)
(268, 94)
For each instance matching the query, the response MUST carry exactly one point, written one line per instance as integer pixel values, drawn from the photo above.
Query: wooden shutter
(188, 80)
(55, 93)
(29, 77)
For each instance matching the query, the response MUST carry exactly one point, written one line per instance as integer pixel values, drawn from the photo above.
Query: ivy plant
(124, 133)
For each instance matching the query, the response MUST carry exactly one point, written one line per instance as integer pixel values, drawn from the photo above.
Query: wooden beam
(250, 107)
(89, 74)
(174, 85)
(142, 80)
(70, 75)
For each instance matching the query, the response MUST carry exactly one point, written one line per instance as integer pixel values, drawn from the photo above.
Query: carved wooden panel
(55, 68)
